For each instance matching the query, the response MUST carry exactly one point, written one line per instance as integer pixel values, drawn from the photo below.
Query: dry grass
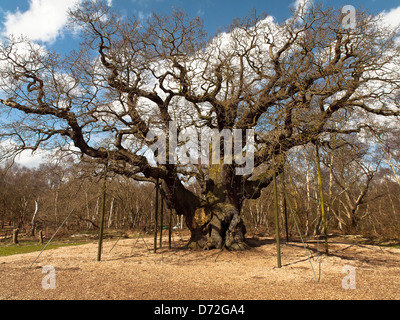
(179, 274)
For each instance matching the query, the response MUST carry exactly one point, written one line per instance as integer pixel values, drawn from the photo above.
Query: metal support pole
(321, 198)
(277, 230)
(170, 230)
(156, 217)
(103, 209)
(161, 220)
(285, 206)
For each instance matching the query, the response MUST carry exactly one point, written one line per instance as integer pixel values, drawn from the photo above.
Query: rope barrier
(59, 228)
(301, 237)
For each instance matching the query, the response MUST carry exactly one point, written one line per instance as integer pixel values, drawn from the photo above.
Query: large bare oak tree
(289, 82)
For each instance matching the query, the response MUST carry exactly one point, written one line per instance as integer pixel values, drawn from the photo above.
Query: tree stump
(41, 237)
(15, 236)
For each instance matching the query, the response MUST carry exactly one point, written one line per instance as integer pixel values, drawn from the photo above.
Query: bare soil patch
(131, 272)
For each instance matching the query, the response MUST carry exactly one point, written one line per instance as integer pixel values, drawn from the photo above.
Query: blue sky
(45, 19)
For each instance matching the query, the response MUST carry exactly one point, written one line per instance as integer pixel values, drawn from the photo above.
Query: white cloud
(29, 160)
(25, 158)
(392, 18)
(43, 21)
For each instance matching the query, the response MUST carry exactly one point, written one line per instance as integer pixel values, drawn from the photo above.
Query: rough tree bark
(213, 219)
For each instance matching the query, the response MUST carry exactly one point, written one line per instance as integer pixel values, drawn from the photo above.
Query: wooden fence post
(15, 236)
(41, 237)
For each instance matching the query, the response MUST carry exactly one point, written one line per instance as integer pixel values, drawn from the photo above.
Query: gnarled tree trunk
(214, 220)
(218, 227)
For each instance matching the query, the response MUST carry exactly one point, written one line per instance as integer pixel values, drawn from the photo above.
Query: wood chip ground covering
(131, 272)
